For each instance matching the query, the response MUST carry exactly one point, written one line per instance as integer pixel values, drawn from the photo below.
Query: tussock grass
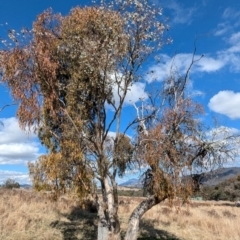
(25, 214)
(195, 221)
(29, 215)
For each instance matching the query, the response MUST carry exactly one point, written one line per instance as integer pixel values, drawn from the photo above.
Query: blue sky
(215, 80)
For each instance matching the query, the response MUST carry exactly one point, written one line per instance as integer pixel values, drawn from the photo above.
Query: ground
(27, 215)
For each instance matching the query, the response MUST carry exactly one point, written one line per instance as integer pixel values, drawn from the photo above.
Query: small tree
(10, 184)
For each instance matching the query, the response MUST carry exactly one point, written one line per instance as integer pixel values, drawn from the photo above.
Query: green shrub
(219, 195)
(237, 186)
(238, 177)
(11, 183)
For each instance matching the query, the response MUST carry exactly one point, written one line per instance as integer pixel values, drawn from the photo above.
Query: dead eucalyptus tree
(175, 146)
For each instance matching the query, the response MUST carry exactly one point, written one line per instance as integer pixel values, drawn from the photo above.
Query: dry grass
(198, 220)
(26, 215)
(29, 215)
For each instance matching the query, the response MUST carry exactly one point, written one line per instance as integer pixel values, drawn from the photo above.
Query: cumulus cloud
(228, 57)
(20, 177)
(135, 92)
(180, 63)
(16, 146)
(18, 153)
(11, 133)
(209, 64)
(226, 103)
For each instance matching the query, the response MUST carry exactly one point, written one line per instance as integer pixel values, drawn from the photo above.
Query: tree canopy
(65, 75)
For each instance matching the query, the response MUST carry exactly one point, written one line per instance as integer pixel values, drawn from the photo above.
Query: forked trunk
(105, 234)
(108, 225)
(133, 224)
(105, 230)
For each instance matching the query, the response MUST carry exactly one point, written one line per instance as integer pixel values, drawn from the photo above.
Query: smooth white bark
(108, 225)
(133, 224)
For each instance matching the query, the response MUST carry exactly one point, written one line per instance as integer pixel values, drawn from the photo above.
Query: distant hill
(132, 183)
(220, 175)
(228, 190)
(28, 186)
(209, 179)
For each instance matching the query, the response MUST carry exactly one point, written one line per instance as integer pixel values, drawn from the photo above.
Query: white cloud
(193, 92)
(135, 92)
(18, 153)
(226, 103)
(112, 135)
(222, 132)
(229, 31)
(230, 13)
(230, 56)
(180, 63)
(221, 29)
(226, 144)
(11, 133)
(235, 38)
(230, 22)
(180, 14)
(20, 177)
(16, 146)
(209, 64)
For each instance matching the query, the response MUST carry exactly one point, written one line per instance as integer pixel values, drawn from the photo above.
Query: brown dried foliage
(57, 80)
(167, 151)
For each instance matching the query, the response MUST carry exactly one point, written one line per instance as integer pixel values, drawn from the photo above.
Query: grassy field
(29, 215)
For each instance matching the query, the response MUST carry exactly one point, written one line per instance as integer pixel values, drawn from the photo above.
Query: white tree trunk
(107, 230)
(133, 228)
(108, 225)
(133, 224)
(102, 223)
(102, 232)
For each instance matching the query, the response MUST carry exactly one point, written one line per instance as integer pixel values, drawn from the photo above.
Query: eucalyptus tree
(176, 148)
(67, 71)
(63, 74)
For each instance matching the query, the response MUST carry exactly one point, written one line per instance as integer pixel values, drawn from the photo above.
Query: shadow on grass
(82, 225)
(148, 232)
(79, 225)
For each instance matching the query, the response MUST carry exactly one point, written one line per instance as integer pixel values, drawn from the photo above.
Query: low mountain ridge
(220, 175)
(209, 179)
(132, 183)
